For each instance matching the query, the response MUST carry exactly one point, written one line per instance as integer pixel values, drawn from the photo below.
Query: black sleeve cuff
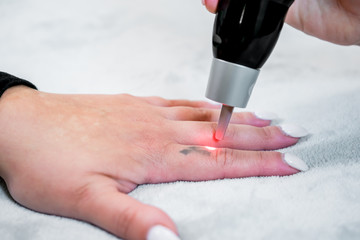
(7, 81)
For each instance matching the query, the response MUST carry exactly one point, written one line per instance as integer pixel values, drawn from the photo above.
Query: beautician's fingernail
(159, 232)
(203, 2)
(293, 130)
(265, 115)
(295, 162)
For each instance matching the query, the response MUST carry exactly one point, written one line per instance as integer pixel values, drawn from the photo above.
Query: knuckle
(224, 159)
(203, 114)
(171, 102)
(260, 163)
(160, 101)
(124, 221)
(232, 133)
(181, 113)
(267, 134)
(189, 113)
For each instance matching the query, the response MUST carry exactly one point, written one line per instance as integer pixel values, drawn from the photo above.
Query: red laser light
(210, 148)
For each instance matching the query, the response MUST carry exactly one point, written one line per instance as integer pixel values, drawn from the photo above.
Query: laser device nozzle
(223, 123)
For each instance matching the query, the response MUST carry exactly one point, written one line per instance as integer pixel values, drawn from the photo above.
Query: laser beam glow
(210, 148)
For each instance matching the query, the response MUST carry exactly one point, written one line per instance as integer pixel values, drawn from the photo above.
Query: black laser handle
(246, 31)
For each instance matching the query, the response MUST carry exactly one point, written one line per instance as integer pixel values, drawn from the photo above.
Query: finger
(121, 214)
(212, 115)
(158, 101)
(211, 5)
(242, 137)
(195, 163)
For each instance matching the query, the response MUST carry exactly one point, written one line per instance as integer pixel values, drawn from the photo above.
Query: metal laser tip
(224, 119)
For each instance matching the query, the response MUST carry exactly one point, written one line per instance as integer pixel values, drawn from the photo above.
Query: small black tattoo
(200, 150)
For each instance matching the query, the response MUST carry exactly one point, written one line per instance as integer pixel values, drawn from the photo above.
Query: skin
(336, 21)
(79, 156)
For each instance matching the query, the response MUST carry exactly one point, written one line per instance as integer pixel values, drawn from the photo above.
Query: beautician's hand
(336, 21)
(79, 155)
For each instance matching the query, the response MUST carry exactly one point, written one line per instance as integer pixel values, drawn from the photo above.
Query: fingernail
(295, 162)
(293, 130)
(159, 232)
(203, 2)
(265, 115)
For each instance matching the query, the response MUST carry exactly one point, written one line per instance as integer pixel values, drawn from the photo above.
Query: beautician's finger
(243, 137)
(124, 216)
(195, 163)
(211, 5)
(162, 102)
(212, 115)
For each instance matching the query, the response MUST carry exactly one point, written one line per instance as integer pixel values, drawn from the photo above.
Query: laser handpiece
(245, 33)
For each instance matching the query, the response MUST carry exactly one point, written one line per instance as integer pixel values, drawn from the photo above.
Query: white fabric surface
(163, 48)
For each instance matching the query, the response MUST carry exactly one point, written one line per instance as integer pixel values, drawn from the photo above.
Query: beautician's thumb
(211, 5)
(128, 218)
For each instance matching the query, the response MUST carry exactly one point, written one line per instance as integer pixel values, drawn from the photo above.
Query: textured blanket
(163, 47)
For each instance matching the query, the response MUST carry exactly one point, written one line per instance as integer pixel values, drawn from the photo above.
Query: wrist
(11, 103)
(9, 96)
(15, 90)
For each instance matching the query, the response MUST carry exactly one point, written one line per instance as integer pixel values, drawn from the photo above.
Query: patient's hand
(79, 155)
(335, 21)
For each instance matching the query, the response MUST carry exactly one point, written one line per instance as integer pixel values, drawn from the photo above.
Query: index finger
(198, 163)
